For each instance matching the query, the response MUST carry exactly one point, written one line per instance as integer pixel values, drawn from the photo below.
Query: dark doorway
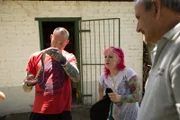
(48, 28)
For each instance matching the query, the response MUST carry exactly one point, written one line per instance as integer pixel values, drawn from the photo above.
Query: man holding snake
(50, 71)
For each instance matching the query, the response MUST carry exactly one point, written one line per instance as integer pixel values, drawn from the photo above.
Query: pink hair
(119, 52)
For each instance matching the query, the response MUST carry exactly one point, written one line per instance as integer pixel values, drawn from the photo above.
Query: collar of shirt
(172, 33)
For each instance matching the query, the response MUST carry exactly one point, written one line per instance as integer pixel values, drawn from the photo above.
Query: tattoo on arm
(72, 72)
(135, 91)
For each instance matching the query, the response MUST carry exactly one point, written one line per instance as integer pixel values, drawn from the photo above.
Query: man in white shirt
(159, 21)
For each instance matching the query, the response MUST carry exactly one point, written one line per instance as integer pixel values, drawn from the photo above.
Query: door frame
(77, 50)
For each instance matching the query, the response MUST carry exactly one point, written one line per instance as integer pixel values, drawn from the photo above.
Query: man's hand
(114, 97)
(30, 81)
(56, 54)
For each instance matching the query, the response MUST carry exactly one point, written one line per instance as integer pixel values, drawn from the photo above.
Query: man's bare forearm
(26, 88)
(2, 96)
(72, 72)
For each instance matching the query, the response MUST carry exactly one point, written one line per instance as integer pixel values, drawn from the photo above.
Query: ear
(157, 8)
(67, 41)
(51, 36)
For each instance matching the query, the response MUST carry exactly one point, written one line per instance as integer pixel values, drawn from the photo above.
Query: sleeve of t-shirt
(175, 81)
(30, 66)
(130, 73)
(101, 79)
(72, 59)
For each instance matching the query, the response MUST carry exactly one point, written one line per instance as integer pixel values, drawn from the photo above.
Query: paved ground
(78, 113)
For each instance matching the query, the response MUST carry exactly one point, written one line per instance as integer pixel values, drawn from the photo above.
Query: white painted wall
(20, 38)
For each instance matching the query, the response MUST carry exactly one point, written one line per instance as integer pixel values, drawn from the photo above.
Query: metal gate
(95, 36)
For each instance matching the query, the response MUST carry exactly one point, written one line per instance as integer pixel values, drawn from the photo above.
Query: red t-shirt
(53, 94)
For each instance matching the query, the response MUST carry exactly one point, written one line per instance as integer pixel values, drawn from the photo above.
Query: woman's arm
(135, 90)
(101, 91)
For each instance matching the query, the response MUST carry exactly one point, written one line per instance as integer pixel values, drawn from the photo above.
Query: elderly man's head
(156, 17)
(173, 5)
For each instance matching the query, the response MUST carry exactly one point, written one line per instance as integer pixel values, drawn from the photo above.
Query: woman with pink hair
(123, 81)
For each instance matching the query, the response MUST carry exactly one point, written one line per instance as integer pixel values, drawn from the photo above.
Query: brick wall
(20, 37)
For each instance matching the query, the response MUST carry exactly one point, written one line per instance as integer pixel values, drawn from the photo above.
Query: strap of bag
(111, 111)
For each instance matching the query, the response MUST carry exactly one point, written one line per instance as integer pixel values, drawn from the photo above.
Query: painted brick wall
(20, 38)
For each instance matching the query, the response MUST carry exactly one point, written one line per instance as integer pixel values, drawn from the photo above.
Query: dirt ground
(78, 113)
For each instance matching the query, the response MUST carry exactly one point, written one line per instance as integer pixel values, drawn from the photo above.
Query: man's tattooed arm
(72, 71)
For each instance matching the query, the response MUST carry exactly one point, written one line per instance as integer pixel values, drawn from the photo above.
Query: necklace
(113, 83)
(113, 78)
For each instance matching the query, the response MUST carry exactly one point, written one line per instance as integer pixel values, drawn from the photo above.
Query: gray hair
(63, 31)
(173, 5)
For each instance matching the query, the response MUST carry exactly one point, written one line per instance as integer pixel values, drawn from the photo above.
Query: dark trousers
(65, 115)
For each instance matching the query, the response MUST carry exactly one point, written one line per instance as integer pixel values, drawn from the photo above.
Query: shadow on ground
(78, 113)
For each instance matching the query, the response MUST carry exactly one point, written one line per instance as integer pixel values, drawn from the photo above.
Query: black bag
(100, 110)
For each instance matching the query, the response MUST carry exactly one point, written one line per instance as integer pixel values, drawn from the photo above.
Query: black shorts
(65, 115)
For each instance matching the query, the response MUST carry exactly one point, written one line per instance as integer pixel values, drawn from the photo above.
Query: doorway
(46, 28)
